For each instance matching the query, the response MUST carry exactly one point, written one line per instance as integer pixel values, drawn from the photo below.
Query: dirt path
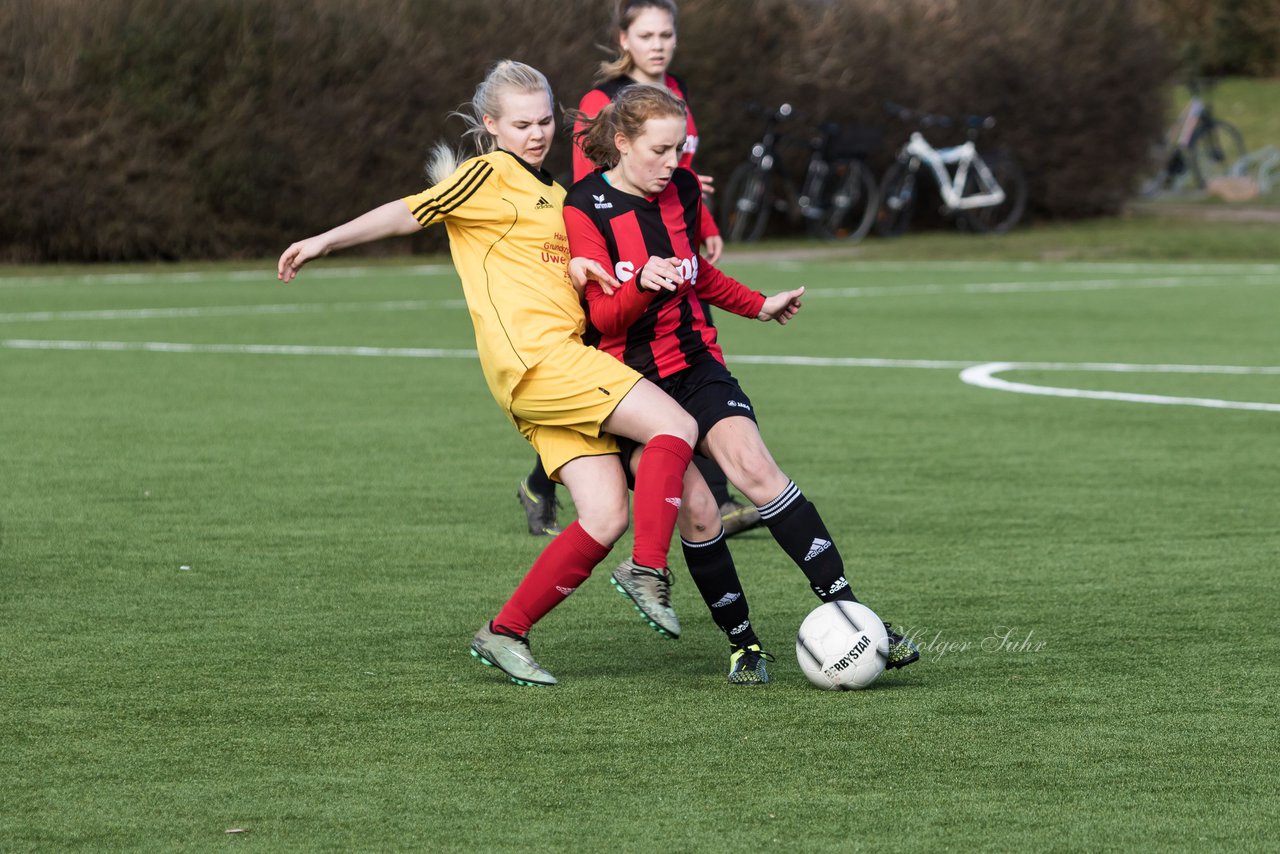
(1208, 213)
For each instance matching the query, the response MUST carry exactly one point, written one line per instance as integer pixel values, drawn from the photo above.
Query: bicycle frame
(964, 157)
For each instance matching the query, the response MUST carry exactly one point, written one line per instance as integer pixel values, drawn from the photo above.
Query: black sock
(539, 484)
(713, 572)
(715, 478)
(796, 525)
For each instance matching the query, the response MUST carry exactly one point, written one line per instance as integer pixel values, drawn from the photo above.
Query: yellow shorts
(561, 403)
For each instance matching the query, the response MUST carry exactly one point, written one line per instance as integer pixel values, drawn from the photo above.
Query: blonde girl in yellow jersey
(504, 217)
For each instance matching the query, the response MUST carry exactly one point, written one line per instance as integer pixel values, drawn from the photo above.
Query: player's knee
(605, 523)
(700, 515)
(686, 428)
(757, 471)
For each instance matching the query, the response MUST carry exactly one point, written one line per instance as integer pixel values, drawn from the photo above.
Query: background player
(501, 209)
(646, 34)
(640, 216)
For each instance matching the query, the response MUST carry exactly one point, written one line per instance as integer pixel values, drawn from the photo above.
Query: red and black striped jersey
(596, 100)
(658, 333)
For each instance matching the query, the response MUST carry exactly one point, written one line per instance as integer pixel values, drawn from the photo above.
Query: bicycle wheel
(748, 199)
(849, 205)
(897, 200)
(997, 219)
(1214, 150)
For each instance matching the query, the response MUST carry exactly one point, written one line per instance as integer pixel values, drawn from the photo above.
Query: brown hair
(634, 106)
(624, 15)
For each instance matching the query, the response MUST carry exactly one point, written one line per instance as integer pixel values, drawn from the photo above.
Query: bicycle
(1198, 147)
(984, 193)
(836, 199)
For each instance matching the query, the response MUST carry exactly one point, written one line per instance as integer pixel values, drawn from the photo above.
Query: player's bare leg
(736, 444)
(647, 415)
(599, 488)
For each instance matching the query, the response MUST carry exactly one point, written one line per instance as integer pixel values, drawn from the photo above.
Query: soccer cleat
(736, 517)
(509, 652)
(540, 511)
(746, 665)
(902, 650)
(650, 592)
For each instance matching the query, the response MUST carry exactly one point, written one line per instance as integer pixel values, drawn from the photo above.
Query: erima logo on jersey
(601, 204)
(739, 404)
(819, 546)
(565, 590)
(542, 204)
(726, 599)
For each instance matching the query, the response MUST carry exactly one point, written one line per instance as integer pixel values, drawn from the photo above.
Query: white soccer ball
(842, 646)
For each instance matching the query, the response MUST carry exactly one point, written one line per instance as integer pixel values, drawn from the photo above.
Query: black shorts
(708, 392)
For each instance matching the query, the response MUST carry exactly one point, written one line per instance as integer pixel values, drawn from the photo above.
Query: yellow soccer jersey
(506, 232)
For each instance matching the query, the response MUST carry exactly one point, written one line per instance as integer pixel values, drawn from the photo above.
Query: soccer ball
(842, 646)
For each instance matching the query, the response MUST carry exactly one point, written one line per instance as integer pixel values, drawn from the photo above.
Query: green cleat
(539, 510)
(650, 592)
(902, 650)
(736, 517)
(746, 665)
(509, 652)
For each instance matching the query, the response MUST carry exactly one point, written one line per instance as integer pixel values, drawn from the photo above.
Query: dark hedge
(182, 129)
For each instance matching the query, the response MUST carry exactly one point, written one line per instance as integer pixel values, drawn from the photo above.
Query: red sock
(565, 563)
(659, 484)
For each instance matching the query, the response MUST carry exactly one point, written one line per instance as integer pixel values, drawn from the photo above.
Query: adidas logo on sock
(838, 586)
(740, 628)
(675, 502)
(819, 546)
(565, 590)
(542, 204)
(727, 599)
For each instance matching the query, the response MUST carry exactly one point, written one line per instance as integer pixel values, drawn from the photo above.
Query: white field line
(250, 349)
(418, 305)
(264, 274)
(228, 310)
(1030, 287)
(984, 376)
(1116, 267)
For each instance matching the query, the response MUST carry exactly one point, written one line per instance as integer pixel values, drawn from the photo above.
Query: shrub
(140, 129)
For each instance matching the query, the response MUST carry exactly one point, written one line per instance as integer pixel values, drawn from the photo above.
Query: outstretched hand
(781, 306)
(583, 270)
(297, 255)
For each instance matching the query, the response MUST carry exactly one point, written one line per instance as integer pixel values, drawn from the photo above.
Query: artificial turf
(237, 588)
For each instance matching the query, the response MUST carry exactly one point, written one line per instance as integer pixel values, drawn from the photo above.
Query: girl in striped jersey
(639, 213)
(646, 42)
(505, 220)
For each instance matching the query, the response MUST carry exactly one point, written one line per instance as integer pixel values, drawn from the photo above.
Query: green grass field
(241, 560)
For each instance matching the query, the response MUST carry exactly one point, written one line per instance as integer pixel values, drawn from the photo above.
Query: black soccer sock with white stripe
(716, 577)
(796, 525)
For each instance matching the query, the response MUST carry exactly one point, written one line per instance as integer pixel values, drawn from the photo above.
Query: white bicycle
(985, 194)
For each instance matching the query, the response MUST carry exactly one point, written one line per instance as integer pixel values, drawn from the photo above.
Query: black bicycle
(986, 193)
(1198, 147)
(836, 198)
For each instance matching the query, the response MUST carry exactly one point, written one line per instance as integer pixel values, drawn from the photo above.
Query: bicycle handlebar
(928, 120)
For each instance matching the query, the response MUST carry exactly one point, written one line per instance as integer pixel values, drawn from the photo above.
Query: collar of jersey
(650, 199)
(541, 174)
